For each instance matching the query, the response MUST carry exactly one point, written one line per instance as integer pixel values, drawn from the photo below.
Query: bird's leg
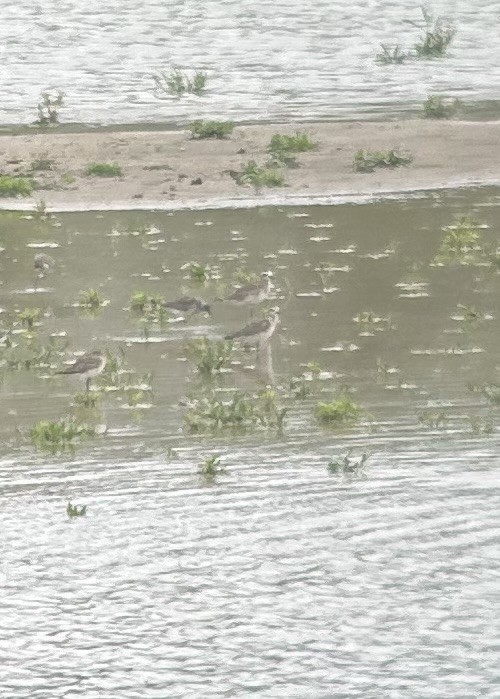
(87, 383)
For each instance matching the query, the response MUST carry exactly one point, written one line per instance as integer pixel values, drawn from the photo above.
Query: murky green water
(279, 579)
(284, 60)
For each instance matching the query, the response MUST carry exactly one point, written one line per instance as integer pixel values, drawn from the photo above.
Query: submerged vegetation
(340, 411)
(90, 298)
(76, 510)
(60, 435)
(347, 464)
(177, 83)
(209, 356)
(435, 38)
(461, 243)
(210, 469)
(242, 412)
(391, 55)
(368, 161)
(211, 129)
(436, 35)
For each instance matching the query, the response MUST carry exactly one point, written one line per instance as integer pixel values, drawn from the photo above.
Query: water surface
(266, 60)
(279, 579)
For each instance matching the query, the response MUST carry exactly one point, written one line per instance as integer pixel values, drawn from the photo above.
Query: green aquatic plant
(480, 425)
(243, 412)
(139, 301)
(461, 242)
(340, 411)
(371, 322)
(198, 272)
(211, 468)
(103, 170)
(347, 464)
(303, 386)
(178, 83)
(209, 356)
(211, 129)
(436, 36)
(29, 317)
(48, 107)
(76, 510)
(259, 176)
(90, 298)
(491, 392)
(368, 161)
(271, 412)
(59, 435)
(15, 186)
(438, 107)
(433, 419)
(391, 55)
(87, 399)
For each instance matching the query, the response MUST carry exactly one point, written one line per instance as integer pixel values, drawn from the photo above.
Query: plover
(260, 331)
(188, 304)
(87, 366)
(43, 263)
(252, 294)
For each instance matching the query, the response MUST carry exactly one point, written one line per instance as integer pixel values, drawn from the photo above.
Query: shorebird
(252, 294)
(188, 304)
(87, 366)
(260, 331)
(43, 263)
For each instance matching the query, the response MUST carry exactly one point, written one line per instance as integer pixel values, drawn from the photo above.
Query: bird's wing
(239, 294)
(258, 326)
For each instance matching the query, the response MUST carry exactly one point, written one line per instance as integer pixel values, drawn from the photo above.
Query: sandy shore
(163, 170)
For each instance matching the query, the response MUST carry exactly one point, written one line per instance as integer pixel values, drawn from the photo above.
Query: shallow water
(266, 60)
(279, 579)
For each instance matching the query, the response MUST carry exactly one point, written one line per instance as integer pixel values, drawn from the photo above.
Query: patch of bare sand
(163, 169)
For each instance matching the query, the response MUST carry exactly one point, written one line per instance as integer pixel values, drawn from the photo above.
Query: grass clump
(346, 464)
(340, 411)
(391, 55)
(461, 242)
(76, 510)
(210, 357)
(438, 107)
(41, 165)
(211, 129)
(58, 436)
(103, 170)
(436, 36)
(368, 161)
(298, 143)
(259, 176)
(15, 186)
(178, 83)
(48, 108)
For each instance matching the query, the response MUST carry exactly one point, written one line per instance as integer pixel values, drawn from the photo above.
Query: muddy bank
(170, 170)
